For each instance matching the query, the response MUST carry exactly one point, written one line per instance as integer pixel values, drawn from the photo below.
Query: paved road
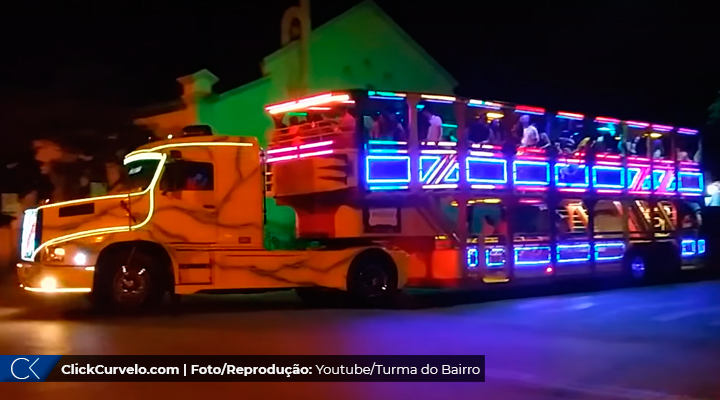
(657, 343)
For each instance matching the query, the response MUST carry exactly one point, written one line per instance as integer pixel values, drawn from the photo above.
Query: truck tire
(129, 282)
(372, 279)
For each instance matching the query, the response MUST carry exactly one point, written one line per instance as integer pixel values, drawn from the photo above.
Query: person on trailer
(530, 135)
(478, 131)
(393, 129)
(347, 121)
(435, 131)
(495, 136)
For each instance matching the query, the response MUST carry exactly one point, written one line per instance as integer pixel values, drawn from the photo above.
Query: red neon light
(639, 124)
(571, 115)
(607, 120)
(530, 109)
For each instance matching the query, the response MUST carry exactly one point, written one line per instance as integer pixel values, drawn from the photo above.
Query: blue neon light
(385, 98)
(473, 257)
(475, 175)
(601, 181)
(658, 176)
(495, 256)
(602, 247)
(632, 174)
(689, 184)
(396, 169)
(701, 246)
(564, 171)
(582, 250)
(428, 164)
(546, 178)
(542, 253)
(454, 175)
(688, 247)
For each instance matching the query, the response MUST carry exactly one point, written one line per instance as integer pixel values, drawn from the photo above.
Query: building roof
(383, 15)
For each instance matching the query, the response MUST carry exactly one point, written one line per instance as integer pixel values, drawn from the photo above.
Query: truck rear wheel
(130, 282)
(372, 279)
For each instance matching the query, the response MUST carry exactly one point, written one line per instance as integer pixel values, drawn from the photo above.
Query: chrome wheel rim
(131, 285)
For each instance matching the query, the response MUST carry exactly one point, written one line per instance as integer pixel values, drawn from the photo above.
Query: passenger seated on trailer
(530, 135)
(435, 130)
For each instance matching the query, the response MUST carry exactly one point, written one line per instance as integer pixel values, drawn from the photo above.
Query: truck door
(186, 209)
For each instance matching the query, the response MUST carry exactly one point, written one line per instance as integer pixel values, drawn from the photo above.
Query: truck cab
(191, 220)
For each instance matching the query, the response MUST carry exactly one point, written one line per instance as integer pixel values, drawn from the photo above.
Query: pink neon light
(611, 156)
(441, 186)
(689, 170)
(482, 154)
(282, 150)
(290, 103)
(570, 115)
(687, 131)
(640, 192)
(641, 159)
(530, 201)
(532, 158)
(664, 161)
(532, 188)
(530, 109)
(573, 190)
(607, 120)
(316, 153)
(307, 102)
(638, 124)
(613, 163)
(281, 158)
(318, 144)
(569, 160)
(609, 191)
(663, 128)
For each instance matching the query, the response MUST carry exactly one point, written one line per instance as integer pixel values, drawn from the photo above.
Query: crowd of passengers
(524, 133)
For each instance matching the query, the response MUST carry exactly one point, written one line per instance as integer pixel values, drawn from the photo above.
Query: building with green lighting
(361, 48)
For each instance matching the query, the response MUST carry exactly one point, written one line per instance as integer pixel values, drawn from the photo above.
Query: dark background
(642, 60)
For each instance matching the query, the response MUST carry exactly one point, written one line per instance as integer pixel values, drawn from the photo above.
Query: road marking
(597, 390)
(687, 313)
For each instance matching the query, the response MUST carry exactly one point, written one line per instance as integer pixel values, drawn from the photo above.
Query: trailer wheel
(129, 282)
(372, 278)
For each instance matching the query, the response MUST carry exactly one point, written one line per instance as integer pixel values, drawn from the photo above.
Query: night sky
(626, 59)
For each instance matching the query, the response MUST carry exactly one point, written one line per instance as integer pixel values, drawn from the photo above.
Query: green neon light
(298, 114)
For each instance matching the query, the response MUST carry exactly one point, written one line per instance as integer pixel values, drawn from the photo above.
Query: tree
(714, 110)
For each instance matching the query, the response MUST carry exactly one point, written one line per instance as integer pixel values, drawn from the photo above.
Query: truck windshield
(139, 174)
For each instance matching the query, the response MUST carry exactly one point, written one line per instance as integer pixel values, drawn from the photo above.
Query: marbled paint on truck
(219, 232)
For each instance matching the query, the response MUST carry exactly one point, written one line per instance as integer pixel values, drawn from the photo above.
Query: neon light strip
(386, 94)
(686, 131)
(188, 144)
(441, 186)
(560, 166)
(58, 290)
(281, 158)
(103, 231)
(142, 157)
(567, 115)
(608, 191)
(485, 104)
(424, 174)
(318, 144)
(683, 245)
(281, 150)
(308, 102)
(388, 151)
(386, 158)
(317, 153)
(662, 128)
(573, 246)
(573, 190)
(387, 187)
(482, 154)
(483, 187)
(607, 120)
(530, 110)
(446, 172)
(606, 185)
(436, 97)
(531, 248)
(519, 182)
(385, 98)
(438, 151)
(386, 142)
(636, 124)
(599, 246)
(503, 181)
(494, 250)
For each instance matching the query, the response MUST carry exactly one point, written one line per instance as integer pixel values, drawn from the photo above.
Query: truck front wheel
(129, 282)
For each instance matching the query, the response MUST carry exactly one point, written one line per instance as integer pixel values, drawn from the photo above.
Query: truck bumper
(35, 277)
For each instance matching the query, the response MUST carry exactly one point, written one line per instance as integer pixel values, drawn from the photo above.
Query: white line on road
(685, 314)
(605, 391)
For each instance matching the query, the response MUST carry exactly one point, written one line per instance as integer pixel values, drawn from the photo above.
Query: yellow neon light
(58, 290)
(189, 144)
(142, 157)
(436, 97)
(493, 115)
(100, 231)
(656, 135)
